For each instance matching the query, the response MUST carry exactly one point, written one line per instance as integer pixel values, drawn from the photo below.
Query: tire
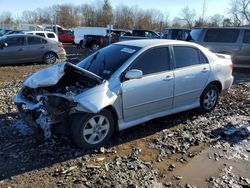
(50, 58)
(95, 47)
(87, 132)
(209, 98)
(82, 45)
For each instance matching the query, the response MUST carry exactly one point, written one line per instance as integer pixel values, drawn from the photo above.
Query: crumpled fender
(45, 77)
(97, 98)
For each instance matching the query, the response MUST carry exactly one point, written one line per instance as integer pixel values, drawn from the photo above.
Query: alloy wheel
(96, 129)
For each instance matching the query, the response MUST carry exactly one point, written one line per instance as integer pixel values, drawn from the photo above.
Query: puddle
(230, 150)
(207, 165)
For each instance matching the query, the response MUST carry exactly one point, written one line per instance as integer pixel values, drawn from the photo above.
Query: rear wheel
(50, 58)
(82, 45)
(95, 47)
(209, 98)
(92, 130)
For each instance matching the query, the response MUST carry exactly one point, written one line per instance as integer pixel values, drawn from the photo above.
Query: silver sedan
(21, 48)
(121, 86)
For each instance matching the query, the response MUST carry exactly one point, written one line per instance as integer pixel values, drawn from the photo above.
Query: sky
(173, 7)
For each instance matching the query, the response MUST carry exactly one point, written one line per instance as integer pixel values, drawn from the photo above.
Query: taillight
(232, 66)
(101, 41)
(61, 46)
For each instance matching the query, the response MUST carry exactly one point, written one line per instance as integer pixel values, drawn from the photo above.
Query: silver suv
(233, 41)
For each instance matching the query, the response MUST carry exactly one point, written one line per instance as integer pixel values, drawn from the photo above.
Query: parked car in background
(95, 42)
(231, 41)
(4, 31)
(123, 85)
(11, 32)
(47, 34)
(140, 34)
(80, 32)
(66, 36)
(176, 34)
(21, 48)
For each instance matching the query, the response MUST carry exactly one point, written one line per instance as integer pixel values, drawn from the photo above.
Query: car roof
(245, 27)
(39, 32)
(16, 35)
(24, 35)
(151, 42)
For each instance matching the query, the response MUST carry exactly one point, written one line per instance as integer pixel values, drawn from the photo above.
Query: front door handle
(168, 78)
(204, 69)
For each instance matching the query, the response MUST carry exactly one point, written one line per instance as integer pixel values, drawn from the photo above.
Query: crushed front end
(47, 98)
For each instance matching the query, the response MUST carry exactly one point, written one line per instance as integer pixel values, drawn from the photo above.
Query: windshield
(107, 60)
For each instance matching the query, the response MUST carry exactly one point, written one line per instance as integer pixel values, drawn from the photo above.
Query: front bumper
(35, 116)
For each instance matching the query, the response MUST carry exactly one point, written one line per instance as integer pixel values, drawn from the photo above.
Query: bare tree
(216, 20)
(177, 22)
(123, 17)
(188, 15)
(245, 11)
(227, 22)
(235, 13)
(88, 15)
(107, 13)
(6, 19)
(240, 11)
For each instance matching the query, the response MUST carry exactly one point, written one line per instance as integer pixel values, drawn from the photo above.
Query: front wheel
(95, 47)
(209, 98)
(92, 130)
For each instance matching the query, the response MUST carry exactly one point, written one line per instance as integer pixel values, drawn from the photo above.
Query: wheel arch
(217, 84)
(115, 115)
(50, 52)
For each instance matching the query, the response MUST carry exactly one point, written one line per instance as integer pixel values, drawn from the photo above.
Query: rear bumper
(61, 55)
(228, 83)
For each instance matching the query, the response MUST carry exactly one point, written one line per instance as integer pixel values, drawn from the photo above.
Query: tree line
(101, 13)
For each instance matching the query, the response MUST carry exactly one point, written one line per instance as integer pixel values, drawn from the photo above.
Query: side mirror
(133, 74)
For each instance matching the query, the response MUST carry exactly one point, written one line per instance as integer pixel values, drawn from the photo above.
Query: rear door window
(246, 38)
(15, 41)
(186, 56)
(40, 34)
(153, 61)
(34, 40)
(222, 35)
(51, 35)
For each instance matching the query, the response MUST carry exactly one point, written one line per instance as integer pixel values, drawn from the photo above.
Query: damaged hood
(51, 75)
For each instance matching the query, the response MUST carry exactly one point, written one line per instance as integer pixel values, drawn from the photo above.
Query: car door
(34, 49)
(191, 74)
(242, 57)
(14, 52)
(154, 91)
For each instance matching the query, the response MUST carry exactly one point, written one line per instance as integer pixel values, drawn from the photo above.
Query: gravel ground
(159, 153)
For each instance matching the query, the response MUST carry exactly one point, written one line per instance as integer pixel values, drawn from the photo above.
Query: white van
(47, 34)
(81, 31)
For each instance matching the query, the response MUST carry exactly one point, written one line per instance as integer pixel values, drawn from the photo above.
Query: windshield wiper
(92, 60)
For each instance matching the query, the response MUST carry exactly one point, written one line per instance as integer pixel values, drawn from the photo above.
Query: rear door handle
(204, 70)
(168, 78)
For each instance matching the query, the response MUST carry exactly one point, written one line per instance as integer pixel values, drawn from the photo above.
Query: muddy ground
(188, 149)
